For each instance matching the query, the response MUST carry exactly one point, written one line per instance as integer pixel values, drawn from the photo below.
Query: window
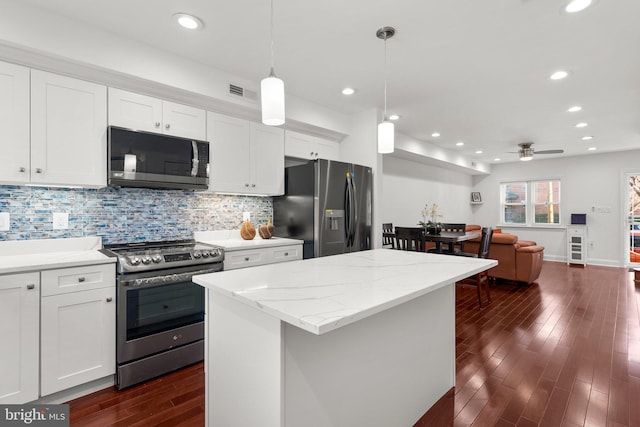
(530, 202)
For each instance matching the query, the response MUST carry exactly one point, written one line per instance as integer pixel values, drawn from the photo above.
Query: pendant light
(385, 128)
(272, 93)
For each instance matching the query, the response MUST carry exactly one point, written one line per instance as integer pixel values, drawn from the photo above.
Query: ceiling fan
(526, 151)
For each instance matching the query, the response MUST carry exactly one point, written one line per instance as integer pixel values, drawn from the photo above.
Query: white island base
(384, 365)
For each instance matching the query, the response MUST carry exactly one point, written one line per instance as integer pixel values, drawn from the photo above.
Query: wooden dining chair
(410, 239)
(388, 235)
(455, 228)
(481, 279)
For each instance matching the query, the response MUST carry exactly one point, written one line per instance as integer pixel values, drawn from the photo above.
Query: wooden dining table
(450, 238)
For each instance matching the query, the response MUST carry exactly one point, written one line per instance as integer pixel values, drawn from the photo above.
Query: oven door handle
(163, 279)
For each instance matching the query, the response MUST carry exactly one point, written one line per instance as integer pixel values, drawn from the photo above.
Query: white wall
(587, 181)
(407, 186)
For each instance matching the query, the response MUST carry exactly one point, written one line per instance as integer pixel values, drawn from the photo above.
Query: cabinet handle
(31, 286)
(246, 185)
(157, 124)
(246, 258)
(253, 185)
(316, 154)
(311, 153)
(23, 170)
(81, 279)
(38, 170)
(286, 254)
(167, 126)
(109, 299)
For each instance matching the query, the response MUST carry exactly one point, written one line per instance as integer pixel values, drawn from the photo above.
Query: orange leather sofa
(518, 260)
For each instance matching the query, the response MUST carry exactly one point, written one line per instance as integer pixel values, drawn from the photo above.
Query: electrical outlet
(5, 221)
(60, 220)
(246, 216)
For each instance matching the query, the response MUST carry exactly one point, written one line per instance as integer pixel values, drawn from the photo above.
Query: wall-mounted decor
(475, 197)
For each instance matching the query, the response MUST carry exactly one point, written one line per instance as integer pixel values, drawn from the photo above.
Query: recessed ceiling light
(479, 152)
(586, 138)
(574, 109)
(348, 91)
(394, 117)
(582, 125)
(577, 5)
(187, 21)
(592, 148)
(559, 75)
(497, 159)
(435, 134)
(460, 144)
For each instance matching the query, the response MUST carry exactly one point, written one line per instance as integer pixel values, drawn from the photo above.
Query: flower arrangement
(430, 217)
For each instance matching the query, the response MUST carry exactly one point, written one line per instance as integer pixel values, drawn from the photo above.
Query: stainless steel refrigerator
(328, 205)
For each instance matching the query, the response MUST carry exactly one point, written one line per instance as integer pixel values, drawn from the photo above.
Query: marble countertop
(33, 255)
(231, 241)
(323, 294)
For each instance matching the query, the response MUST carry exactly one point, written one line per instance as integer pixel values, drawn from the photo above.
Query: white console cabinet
(577, 244)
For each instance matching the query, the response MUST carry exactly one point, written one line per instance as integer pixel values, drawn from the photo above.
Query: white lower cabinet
(20, 332)
(78, 320)
(58, 330)
(261, 256)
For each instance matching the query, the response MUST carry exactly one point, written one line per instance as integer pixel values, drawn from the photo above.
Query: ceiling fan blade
(549, 151)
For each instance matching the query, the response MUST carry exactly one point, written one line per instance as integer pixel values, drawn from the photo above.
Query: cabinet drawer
(241, 259)
(284, 253)
(66, 280)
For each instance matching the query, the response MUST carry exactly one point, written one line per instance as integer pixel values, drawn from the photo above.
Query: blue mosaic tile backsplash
(120, 215)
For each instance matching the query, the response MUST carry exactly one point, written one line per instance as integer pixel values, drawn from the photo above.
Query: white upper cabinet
(68, 131)
(14, 123)
(20, 331)
(246, 157)
(310, 147)
(140, 112)
(267, 159)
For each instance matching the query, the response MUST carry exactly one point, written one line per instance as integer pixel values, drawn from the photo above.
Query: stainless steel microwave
(151, 160)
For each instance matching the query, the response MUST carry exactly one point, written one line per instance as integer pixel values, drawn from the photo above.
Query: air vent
(249, 95)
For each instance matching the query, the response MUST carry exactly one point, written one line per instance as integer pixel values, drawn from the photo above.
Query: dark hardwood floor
(563, 352)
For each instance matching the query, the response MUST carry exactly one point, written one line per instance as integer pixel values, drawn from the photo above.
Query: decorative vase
(434, 229)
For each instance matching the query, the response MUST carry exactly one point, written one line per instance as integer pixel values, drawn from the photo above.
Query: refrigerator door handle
(354, 204)
(347, 210)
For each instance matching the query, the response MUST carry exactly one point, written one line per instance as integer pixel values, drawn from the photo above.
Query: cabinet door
(184, 121)
(134, 111)
(326, 149)
(299, 145)
(267, 160)
(68, 131)
(19, 329)
(77, 338)
(14, 123)
(230, 147)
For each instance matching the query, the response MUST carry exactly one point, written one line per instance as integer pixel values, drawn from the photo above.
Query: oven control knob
(215, 252)
(134, 260)
(205, 254)
(156, 259)
(197, 254)
(146, 260)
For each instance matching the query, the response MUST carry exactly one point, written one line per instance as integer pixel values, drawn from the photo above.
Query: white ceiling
(474, 70)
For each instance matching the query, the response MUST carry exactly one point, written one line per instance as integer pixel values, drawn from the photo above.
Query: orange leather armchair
(518, 260)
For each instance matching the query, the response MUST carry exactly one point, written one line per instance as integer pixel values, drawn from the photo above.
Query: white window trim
(530, 206)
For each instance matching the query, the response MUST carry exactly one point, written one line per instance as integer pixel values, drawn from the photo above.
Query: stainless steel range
(160, 311)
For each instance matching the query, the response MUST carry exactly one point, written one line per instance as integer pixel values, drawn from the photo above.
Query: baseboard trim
(77, 391)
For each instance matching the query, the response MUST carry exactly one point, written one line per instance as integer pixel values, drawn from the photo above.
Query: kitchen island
(366, 338)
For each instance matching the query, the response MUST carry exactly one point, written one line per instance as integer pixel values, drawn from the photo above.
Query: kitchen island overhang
(366, 338)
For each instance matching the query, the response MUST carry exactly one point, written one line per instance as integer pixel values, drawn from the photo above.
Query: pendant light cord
(385, 77)
(272, 37)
